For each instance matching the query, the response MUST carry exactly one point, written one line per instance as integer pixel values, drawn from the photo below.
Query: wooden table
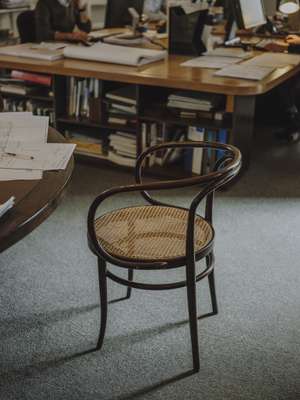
(169, 74)
(35, 200)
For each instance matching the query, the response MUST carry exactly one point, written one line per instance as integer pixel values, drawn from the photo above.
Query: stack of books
(121, 105)
(198, 160)
(123, 149)
(23, 91)
(24, 84)
(197, 105)
(35, 107)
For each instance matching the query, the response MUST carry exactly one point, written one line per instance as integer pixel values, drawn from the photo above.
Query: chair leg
(103, 300)
(130, 278)
(192, 306)
(212, 286)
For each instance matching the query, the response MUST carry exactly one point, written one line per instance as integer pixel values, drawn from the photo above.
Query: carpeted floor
(49, 312)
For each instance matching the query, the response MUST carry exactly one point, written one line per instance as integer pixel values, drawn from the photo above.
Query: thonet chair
(160, 236)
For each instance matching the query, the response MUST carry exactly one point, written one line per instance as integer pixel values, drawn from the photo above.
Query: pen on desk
(20, 156)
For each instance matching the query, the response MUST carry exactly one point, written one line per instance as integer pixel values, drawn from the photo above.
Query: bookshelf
(149, 113)
(152, 122)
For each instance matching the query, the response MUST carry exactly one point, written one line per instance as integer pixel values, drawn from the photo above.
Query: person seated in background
(287, 92)
(154, 9)
(55, 20)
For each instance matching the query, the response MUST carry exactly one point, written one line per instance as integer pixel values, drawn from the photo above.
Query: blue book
(222, 138)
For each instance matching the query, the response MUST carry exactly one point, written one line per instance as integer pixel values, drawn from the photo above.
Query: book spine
(33, 78)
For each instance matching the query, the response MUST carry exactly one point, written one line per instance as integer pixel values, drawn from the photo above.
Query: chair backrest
(26, 26)
(117, 14)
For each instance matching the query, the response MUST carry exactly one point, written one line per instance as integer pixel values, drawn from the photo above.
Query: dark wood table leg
(243, 127)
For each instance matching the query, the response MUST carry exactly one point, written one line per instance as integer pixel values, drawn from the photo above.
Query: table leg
(243, 126)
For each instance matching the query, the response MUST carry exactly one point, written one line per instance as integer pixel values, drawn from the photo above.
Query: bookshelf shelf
(162, 113)
(87, 111)
(86, 123)
(28, 97)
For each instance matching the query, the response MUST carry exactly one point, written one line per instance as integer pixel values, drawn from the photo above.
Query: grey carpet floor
(49, 312)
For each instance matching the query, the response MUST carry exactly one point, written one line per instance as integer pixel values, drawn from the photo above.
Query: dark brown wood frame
(226, 169)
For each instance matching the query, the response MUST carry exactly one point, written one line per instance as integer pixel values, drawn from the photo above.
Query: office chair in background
(26, 26)
(117, 14)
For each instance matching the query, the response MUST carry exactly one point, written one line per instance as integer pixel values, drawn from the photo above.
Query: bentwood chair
(159, 236)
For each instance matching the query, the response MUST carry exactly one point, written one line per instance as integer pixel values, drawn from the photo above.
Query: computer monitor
(249, 13)
(117, 14)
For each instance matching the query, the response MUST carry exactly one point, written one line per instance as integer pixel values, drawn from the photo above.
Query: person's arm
(294, 43)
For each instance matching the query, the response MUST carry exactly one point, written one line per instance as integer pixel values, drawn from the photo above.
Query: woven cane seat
(149, 233)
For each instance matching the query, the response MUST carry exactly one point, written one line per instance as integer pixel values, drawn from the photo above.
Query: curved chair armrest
(233, 154)
(208, 191)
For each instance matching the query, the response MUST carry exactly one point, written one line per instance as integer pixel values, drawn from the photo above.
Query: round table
(35, 200)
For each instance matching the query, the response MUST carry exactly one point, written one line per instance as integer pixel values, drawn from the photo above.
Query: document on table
(275, 60)
(20, 174)
(242, 71)
(44, 157)
(210, 62)
(6, 206)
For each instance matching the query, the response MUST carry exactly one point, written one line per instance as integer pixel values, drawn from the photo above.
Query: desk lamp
(289, 6)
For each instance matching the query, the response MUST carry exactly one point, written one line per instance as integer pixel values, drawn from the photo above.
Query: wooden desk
(169, 74)
(35, 200)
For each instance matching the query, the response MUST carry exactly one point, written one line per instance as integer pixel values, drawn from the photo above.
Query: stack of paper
(219, 58)
(214, 62)
(47, 52)
(230, 52)
(275, 60)
(24, 151)
(110, 53)
(242, 71)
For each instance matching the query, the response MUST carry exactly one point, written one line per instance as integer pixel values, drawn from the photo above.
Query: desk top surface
(35, 200)
(168, 73)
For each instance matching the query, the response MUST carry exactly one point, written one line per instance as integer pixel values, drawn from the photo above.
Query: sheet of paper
(229, 52)
(44, 157)
(242, 71)
(6, 206)
(210, 62)
(16, 114)
(49, 45)
(20, 174)
(27, 129)
(275, 60)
